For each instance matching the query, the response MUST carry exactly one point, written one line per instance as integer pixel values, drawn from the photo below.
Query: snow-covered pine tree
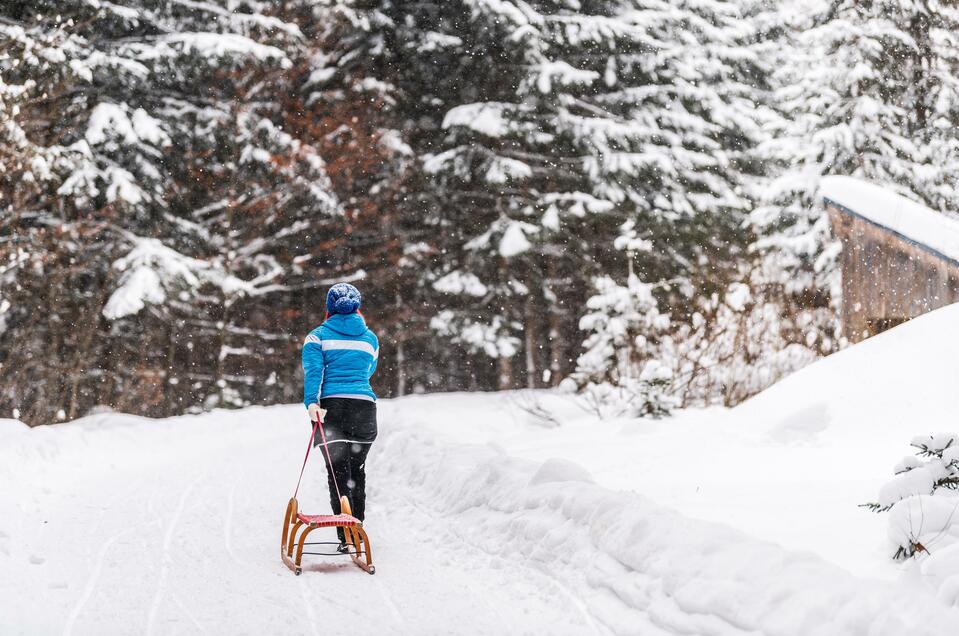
(687, 109)
(533, 151)
(621, 372)
(923, 497)
(157, 193)
(524, 235)
(596, 116)
(411, 58)
(865, 89)
(669, 134)
(360, 96)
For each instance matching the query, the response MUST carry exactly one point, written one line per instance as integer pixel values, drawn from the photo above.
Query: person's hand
(316, 413)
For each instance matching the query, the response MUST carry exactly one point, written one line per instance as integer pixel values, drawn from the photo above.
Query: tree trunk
(530, 344)
(557, 348)
(400, 369)
(505, 373)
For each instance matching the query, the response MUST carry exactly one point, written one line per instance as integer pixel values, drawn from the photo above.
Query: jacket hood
(347, 324)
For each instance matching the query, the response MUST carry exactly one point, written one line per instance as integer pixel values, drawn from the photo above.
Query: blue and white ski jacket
(339, 358)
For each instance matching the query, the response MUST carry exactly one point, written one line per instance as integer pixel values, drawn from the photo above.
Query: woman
(339, 357)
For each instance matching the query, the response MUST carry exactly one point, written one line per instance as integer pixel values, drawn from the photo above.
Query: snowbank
(640, 568)
(791, 466)
(894, 212)
(11, 426)
(871, 401)
(890, 388)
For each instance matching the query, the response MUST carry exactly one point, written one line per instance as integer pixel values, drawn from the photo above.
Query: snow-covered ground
(118, 525)
(486, 518)
(791, 465)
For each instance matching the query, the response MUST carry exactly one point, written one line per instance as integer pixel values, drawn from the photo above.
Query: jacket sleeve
(313, 368)
(376, 353)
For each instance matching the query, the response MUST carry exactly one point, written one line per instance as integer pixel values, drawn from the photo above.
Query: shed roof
(932, 231)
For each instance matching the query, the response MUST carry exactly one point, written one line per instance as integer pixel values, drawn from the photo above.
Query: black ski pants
(350, 426)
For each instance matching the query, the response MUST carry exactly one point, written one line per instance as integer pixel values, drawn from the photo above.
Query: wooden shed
(899, 258)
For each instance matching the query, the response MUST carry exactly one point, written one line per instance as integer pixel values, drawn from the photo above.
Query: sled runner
(298, 526)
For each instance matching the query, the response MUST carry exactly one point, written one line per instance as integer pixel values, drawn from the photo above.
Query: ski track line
(94, 577)
(382, 590)
(310, 614)
(388, 600)
(166, 558)
(188, 613)
(91, 582)
(228, 525)
(580, 606)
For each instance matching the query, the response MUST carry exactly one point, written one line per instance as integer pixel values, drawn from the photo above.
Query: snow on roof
(933, 231)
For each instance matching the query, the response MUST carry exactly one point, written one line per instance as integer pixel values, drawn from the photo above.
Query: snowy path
(186, 545)
(116, 525)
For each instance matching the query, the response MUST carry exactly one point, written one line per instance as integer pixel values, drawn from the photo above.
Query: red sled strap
(303, 467)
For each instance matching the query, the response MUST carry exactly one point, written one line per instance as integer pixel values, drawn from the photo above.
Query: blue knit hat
(343, 298)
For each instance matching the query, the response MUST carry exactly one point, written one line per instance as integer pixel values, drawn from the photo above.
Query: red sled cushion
(328, 521)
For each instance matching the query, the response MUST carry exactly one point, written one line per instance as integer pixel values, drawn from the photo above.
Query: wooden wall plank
(887, 280)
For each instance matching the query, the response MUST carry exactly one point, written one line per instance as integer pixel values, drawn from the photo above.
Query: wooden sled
(298, 526)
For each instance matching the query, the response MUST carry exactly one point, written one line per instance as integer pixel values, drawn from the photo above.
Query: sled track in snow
(166, 556)
(98, 562)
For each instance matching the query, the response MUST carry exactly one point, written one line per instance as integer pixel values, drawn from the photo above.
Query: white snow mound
(891, 387)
